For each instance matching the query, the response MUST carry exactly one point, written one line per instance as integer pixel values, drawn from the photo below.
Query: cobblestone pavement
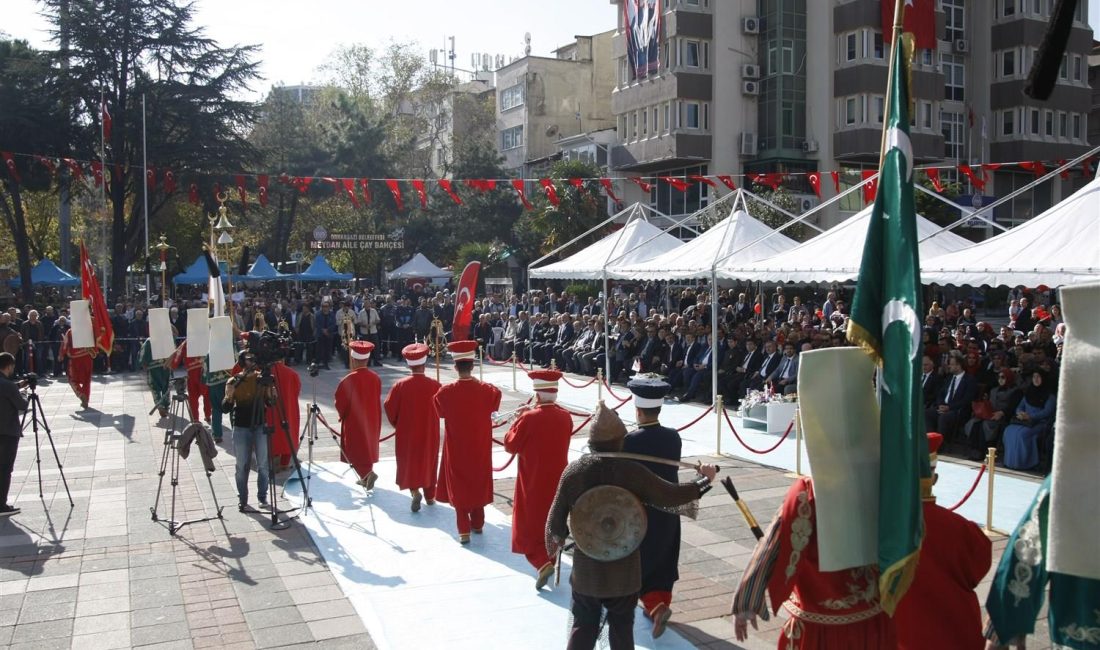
(102, 574)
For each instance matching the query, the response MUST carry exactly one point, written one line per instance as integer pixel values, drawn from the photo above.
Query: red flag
(262, 180)
(1036, 167)
(151, 177)
(1065, 172)
(1086, 167)
(169, 181)
(646, 187)
(551, 191)
(90, 291)
(364, 187)
(421, 192)
(771, 179)
(448, 187)
(395, 190)
(9, 162)
(284, 178)
(978, 183)
(702, 179)
(302, 183)
(920, 20)
(238, 180)
(97, 172)
(74, 168)
(728, 182)
(193, 194)
(107, 121)
(48, 163)
(815, 182)
(481, 184)
(933, 175)
(606, 183)
(464, 302)
(518, 185)
(836, 180)
(577, 183)
(871, 188)
(348, 184)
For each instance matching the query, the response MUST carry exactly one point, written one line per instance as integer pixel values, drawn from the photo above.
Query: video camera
(269, 347)
(28, 379)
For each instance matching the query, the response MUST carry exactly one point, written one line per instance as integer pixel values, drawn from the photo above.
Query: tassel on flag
(815, 182)
(646, 187)
(728, 182)
(518, 185)
(364, 187)
(606, 183)
(448, 187)
(395, 190)
(870, 189)
(836, 180)
(551, 191)
(933, 175)
(262, 180)
(421, 192)
(9, 163)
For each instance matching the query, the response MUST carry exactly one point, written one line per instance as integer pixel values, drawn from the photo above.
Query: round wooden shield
(607, 523)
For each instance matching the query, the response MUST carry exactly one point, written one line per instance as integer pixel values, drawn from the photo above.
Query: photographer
(12, 404)
(249, 438)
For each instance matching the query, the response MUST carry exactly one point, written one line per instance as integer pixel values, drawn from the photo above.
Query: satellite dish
(551, 130)
(527, 37)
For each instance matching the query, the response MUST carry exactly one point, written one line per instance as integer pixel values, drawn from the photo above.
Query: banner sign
(643, 36)
(324, 240)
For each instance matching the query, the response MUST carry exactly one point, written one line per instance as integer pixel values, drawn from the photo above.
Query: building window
(668, 122)
(1048, 123)
(511, 138)
(1008, 122)
(1077, 67)
(951, 125)
(1076, 126)
(1008, 63)
(1034, 122)
(954, 75)
(645, 123)
(622, 128)
(788, 56)
(634, 126)
(1008, 8)
(692, 54)
(925, 109)
(926, 58)
(877, 50)
(1063, 70)
(692, 118)
(1063, 125)
(654, 118)
(849, 111)
(955, 26)
(850, 51)
(511, 97)
(673, 202)
(878, 108)
(624, 73)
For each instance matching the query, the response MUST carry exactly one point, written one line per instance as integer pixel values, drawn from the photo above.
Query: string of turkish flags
(358, 190)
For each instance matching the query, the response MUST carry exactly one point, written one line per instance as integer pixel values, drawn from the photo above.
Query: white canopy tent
(835, 255)
(417, 267)
(1058, 247)
(624, 244)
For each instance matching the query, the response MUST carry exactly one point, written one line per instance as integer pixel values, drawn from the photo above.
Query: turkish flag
(551, 191)
(646, 187)
(606, 183)
(934, 176)
(241, 191)
(871, 188)
(978, 183)
(1035, 167)
(920, 20)
(90, 291)
(815, 182)
(728, 182)
(464, 302)
(676, 183)
(169, 181)
(9, 162)
(395, 190)
(48, 163)
(448, 187)
(518, 185)
(193, 194)
(702, 179)
(364, 187)
(151, 177)
(836, 181)
(348, 185)
(262, 180)
(97, 172)
(421, 192)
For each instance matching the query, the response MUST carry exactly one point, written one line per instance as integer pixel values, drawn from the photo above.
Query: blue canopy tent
(47, 273)
(263, 271)
(320, 271)
(199, 273)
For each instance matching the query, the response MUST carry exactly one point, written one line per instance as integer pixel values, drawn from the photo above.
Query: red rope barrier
(581, 425)
(612, 393)
(494, 362)
(499, 442)
(696, 420)
(505, 465)
(971, 491)
(566, 380)
(322, 420)
(756, 451)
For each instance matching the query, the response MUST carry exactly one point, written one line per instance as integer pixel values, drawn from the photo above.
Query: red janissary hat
(360, 350)
(545, 381)
(934, 442)
(462, 349)
(416, 354)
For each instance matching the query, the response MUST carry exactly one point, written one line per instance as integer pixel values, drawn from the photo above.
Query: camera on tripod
(28, 379)
(314, 370)
(269, 347)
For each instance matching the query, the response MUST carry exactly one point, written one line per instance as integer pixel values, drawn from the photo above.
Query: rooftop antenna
(527, 44)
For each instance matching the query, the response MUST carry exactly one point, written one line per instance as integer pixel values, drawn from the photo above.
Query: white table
(774, 416)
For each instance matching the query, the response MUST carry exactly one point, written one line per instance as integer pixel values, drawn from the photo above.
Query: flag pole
(895, 42)
(145, 173)
(106, 213)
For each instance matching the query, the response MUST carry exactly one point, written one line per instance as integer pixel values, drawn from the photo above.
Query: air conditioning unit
(809, 146)
(806, 202)
(962, 46)
(750, 25)
(750, 88)
(750, 71)
(748, 144)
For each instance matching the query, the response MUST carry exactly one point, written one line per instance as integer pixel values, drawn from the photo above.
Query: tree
(121, 50)
(776, 219)
(935, 210)
(548, 226)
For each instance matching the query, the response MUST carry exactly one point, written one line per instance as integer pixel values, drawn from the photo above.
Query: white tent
(417, 267)
(739, 235)
(625, 245)
(835, 255)
(1058, 247)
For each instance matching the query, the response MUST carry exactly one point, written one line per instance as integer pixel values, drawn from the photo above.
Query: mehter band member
(196, 389)
(540, 437)
(358, 402)
(158, 377)
(466, 469)
(410, 408)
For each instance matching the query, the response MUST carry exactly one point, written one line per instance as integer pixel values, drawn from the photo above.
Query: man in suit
(672, 357)
(929, 381)
(784, 379)
(750, 362)
(565, 336)
(952, 407)
(768, 365)
(692, 350)
(650, 354)
(700, 372)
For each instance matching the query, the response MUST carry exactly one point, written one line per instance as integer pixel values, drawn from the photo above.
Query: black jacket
(12, 405)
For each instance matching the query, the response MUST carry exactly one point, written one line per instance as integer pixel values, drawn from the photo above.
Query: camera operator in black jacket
(12, 403)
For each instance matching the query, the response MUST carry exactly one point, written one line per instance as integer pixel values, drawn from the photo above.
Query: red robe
(410, 408)
(941, 610)
(358, 398)
(195, 386)
(289, 387)
(541, 439)
(466, 469)
(80, 366)
(835, 610)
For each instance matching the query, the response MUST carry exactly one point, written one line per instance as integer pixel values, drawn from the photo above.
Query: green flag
(885, 321)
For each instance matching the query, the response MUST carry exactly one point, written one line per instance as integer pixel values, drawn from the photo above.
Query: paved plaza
(102, 574)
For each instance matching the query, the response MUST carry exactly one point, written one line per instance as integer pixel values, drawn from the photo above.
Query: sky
(296, 37)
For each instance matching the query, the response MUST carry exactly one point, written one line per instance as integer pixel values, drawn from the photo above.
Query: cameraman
(12, 404)
(249, 439)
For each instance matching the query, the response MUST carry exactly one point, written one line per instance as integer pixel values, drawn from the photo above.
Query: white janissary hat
(649, 390)
(360, 350)
(840, 423)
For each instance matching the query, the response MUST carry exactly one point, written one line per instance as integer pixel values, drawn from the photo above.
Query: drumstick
(745, 512)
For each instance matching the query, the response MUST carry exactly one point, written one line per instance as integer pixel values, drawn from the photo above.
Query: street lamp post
(220, 223)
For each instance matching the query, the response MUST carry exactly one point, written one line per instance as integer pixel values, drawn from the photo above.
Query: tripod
(171, 456)
(267, 380)
(309, 429)
(38, 418)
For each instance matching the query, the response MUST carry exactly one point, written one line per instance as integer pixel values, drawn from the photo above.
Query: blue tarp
(199, 273)
(320, 271)
(263, 271)
(47, 273)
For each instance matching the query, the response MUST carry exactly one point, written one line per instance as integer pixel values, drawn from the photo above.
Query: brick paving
(103, 575)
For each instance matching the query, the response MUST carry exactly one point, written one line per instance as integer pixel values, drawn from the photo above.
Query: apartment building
(541, 100)
(460, 113)
(758, 86)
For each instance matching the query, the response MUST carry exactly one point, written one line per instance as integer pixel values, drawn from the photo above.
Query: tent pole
(586, 233)
(714, 361)
(607, 351)
(950, 203)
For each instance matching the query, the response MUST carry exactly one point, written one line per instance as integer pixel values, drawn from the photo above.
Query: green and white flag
(885, 321)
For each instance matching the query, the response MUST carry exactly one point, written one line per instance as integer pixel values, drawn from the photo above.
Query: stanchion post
(797, 443)
(718, 410)
(990, 468)
(513, 370)
(599, 384)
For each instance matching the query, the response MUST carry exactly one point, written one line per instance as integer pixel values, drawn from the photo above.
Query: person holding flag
(104, 331)
(410, 408)
(80, 355)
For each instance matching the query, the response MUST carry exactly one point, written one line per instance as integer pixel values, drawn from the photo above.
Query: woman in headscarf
(986, 432)
(1033, 416)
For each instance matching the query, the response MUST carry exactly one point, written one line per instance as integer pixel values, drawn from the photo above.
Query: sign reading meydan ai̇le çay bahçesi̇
(324, 240)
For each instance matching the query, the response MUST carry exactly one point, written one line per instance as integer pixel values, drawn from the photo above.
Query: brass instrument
(346, 327)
